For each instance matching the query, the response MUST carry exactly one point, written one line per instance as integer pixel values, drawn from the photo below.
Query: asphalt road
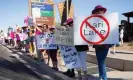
(12, 69)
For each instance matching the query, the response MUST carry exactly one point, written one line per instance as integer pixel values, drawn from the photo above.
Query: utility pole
(67, 8)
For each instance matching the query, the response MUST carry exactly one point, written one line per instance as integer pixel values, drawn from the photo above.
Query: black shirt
(80, 48)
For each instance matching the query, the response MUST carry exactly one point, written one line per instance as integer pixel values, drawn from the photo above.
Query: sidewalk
(42, 69)
(45, 72)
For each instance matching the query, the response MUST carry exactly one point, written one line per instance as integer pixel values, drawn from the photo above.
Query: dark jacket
(80, 48)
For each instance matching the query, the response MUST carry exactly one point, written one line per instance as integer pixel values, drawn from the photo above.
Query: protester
(52, 53)
(41, 29)
(82, 52)
(9, 39)
(6, 39)
(15, 40)
(12, 38)
(45, 31)
(18, 41)
(101, 50)
(32, 41)
(121, 35)
(69, 72)
(24, 40)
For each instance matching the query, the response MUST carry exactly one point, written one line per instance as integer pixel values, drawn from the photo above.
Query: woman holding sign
(101, 50)
(82, 52)
(52, 53)
(41, 30)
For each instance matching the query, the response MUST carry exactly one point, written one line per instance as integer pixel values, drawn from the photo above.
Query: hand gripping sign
(97, 29)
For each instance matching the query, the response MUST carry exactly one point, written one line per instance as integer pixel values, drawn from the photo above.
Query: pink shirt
(38, 32)
(12, 35)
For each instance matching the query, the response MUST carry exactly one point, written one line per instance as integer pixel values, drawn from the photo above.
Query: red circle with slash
(85, 22)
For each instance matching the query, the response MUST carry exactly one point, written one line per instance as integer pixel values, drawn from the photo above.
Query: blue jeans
(101, 55)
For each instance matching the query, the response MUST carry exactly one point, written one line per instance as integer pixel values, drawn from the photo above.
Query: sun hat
(51, 28)
(99, 7)
(69, 20)
(39, 25)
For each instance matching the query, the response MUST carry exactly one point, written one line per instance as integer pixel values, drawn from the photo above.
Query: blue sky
(13, 12)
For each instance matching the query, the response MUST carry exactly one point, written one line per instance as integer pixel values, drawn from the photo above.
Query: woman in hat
(69, 72)
(82, 52)
(101, 50)
(41, 29)
(25, 40)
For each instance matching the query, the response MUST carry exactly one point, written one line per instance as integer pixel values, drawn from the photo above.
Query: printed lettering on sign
(97, 26)
(96, 29)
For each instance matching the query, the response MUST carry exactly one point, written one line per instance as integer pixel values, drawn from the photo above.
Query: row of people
(26, 38)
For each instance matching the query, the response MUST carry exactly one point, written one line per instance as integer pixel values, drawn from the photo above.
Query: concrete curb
(115, 63)
(54, 75)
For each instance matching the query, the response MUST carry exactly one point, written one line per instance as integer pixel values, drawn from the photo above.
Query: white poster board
(64, 35)
(45, 41)
(96, 29)
(30, 21)
(70, 57)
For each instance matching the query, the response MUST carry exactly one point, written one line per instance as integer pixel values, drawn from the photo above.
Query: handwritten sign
(64, 36)
(70, 57)
(46, 41)
(96, 29)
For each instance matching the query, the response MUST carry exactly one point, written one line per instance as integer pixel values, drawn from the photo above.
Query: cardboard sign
(64, 36)
(96, 29)
(70, 57)
(46, 41)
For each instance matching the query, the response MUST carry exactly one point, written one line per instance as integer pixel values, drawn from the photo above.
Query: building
(128, 27)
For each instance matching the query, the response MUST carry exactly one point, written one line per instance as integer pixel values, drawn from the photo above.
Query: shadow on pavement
(17, 67)
(29, 63)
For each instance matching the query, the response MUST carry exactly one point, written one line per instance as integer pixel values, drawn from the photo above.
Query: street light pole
(67, 8)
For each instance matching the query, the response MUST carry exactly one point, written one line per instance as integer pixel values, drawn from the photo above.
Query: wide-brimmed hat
(52, 28)
(39, 25)
(69, 20)
(99, 7)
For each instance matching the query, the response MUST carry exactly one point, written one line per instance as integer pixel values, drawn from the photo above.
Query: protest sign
(46, 41)
(96, 29)
(28, 21)
(70, 57)
(64, 36)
